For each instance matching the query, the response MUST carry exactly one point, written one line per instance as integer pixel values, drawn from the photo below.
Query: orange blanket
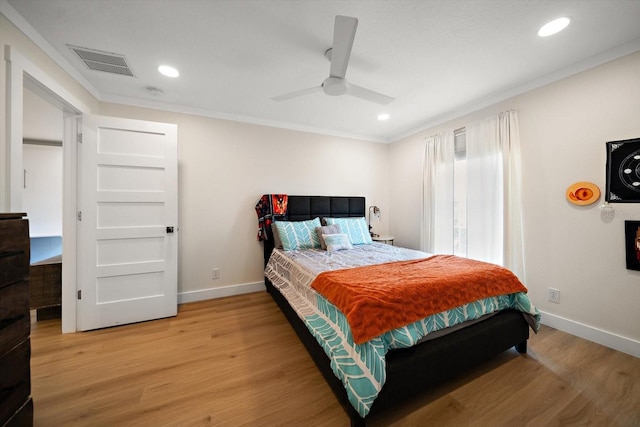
(379, 298)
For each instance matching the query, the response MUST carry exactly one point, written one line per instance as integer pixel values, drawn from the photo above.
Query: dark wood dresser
(16, 406)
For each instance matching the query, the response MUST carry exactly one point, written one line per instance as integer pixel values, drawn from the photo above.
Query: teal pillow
(337, 242)
(355, 228)
(296, 235)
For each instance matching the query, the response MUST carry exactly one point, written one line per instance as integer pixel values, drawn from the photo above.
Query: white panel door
(128, 221)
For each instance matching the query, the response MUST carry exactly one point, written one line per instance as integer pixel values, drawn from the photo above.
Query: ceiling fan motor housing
(335, 86)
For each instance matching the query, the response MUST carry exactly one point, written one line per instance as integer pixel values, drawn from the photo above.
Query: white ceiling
(437, 58)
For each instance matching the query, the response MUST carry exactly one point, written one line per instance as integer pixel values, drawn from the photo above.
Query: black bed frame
(413, 370)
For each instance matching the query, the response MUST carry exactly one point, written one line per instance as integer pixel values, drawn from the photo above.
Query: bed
(45, 288)
(407, 371)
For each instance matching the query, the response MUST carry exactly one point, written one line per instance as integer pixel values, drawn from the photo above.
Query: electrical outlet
(215, 273)
(554, 295)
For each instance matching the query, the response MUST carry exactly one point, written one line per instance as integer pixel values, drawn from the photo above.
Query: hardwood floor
(236, 362)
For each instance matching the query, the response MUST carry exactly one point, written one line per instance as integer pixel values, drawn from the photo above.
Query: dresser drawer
(15, 322)
(14, 266)
(15, 381)
(14, 250)
(14, 235)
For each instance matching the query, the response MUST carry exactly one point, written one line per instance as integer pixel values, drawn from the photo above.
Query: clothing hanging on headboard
(268, 207)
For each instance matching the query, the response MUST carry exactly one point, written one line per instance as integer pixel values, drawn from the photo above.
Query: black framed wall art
(623, 171)
(632, 244)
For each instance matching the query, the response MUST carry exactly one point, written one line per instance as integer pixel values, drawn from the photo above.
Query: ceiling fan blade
(344, 33)
(368, 95)
(297, 93)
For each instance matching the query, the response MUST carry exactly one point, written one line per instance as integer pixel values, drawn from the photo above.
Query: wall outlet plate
(554, 295)
(215, 273)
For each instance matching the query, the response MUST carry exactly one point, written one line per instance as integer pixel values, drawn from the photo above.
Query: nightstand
(384, 239)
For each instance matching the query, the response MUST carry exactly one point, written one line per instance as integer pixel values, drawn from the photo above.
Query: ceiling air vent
(107, 62)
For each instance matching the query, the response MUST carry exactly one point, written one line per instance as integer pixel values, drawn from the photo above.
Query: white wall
(563, 130)
(41, 120)
(42, 195)
(224, 167)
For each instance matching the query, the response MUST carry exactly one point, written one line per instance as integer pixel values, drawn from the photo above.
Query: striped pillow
(296, 235)
(355, 228)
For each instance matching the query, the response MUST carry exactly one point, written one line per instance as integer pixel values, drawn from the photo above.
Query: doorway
(43, 131)
(21, 74)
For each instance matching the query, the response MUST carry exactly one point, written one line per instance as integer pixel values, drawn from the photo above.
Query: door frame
(21, 71)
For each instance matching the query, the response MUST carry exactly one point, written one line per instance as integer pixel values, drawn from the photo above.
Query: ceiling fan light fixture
(554, 27)
(168, 71)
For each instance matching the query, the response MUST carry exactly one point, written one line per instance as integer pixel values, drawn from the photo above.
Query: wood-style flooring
(236, 362)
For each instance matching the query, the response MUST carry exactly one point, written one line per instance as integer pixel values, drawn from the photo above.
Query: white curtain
(494, 208)
(494, 218)
(437, 229)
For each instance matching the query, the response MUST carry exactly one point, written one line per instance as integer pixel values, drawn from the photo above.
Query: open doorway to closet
(42, 153)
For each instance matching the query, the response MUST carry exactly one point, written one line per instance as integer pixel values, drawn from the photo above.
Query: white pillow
(327, 229)
(337, 242)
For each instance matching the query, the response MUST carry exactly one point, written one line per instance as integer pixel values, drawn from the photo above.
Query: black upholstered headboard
(301, 208)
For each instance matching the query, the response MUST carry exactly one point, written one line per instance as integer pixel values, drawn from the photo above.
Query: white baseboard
(608, 339)
(225, 291)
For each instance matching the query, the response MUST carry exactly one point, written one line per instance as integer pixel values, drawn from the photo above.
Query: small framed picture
(623, 171)
(632, 244)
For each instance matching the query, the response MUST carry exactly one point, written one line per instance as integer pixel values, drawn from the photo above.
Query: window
(460, 193)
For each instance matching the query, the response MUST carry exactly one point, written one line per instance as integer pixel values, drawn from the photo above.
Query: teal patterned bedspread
(361, 367)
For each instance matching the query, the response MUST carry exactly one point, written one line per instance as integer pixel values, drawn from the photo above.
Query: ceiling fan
(344, 33)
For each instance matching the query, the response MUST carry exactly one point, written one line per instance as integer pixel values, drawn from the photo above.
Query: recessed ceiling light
(383, 116)
(554, 26)
(168, 71)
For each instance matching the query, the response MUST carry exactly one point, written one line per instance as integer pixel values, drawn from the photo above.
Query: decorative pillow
(337, 242)
(355, 228)
(276, 236)
(327, 229)
(296, 235)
